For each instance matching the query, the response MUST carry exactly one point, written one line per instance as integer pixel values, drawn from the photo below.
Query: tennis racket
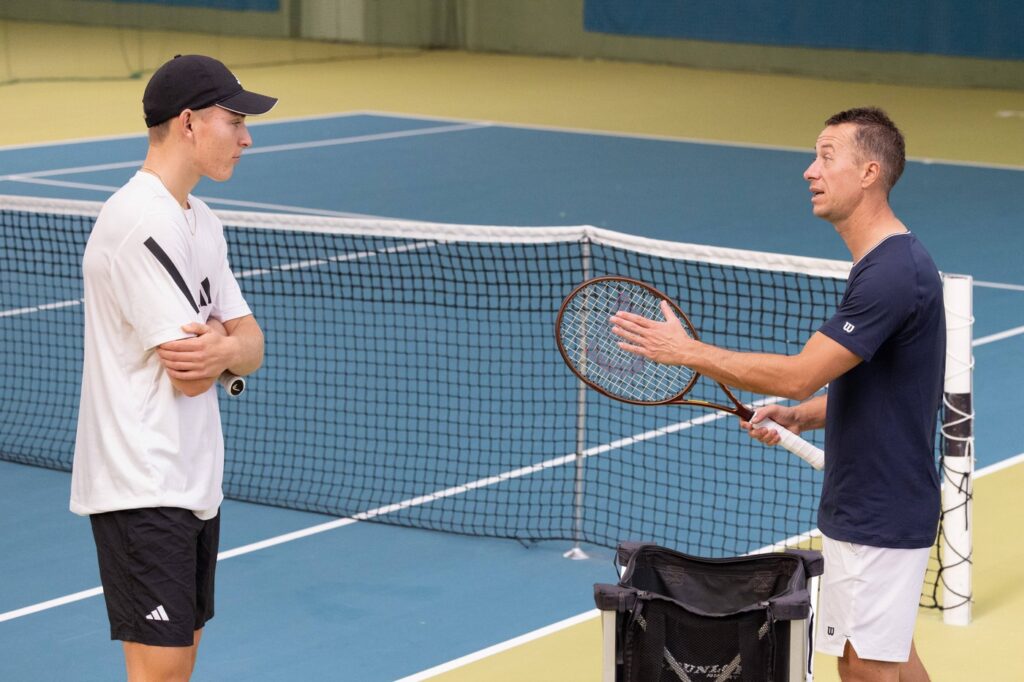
(232, 384)
(592, 352)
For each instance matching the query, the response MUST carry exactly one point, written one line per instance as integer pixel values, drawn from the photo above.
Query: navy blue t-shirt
(881, 481)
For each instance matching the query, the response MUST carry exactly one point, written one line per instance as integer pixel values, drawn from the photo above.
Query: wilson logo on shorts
(158, 614)
(830, 630)
(848, 327)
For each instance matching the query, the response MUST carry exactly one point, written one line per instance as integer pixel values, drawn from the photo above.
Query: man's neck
(868, 227)
(177, 177)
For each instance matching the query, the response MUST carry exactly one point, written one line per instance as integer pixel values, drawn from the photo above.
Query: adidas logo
(158, 614)
(204, 295)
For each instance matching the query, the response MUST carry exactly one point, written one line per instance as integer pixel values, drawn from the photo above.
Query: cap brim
(248, 103)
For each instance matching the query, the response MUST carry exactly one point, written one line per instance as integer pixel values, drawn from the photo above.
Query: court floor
(371, 602)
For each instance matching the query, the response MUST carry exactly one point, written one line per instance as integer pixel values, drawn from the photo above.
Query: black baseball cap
(193, 81)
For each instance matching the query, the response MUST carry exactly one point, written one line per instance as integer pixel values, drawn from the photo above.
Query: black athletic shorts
(157, 568)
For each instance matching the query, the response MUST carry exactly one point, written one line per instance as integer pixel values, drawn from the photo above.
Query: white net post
(957, 452)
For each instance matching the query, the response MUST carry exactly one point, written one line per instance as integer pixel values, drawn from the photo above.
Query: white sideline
(390, 508)
(594, 613)
(503, 646)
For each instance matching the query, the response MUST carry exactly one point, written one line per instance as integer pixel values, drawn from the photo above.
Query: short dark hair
(159, 132)
(877, 137)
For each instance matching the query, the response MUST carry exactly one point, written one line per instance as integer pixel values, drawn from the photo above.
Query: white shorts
(869, 597)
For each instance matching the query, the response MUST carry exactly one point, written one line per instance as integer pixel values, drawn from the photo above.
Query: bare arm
(791, 376)
(194, 364)
(247, 332)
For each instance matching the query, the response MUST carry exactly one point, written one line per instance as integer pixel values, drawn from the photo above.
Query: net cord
(405, 229)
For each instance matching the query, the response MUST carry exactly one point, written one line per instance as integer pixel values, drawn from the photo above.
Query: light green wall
(541, 27)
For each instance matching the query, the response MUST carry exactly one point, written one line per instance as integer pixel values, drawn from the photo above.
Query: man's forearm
(245, 332)
(764, 373)
(797, 376)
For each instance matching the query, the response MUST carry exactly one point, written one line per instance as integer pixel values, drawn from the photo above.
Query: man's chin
(222, 176)
(820, 212)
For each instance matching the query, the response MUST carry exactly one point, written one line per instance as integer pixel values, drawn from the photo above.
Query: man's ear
(871, 172)
(185, 120)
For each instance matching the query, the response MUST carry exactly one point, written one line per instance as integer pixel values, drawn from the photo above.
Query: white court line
(999, 285)
(376, 137)
(209, 200)
(519, 126)
(504, 646)
(14, 312)
(73, 170)
(991, 338)
(339, 523)
(999, 466)
(250, 123)
(141, 135)
(809, 150)
(387, 509)
(59, 183)
(331, 142)
(51, 604)
(595, 613)
(1009, 333)
(982, 341)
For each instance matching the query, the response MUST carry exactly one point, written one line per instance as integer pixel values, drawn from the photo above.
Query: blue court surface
(361, 601)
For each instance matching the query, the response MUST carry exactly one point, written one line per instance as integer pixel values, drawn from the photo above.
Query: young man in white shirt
(164, 318)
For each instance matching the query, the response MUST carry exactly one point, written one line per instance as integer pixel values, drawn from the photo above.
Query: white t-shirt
(149, 269)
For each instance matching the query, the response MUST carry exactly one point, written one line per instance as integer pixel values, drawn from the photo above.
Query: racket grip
(814, 456)
(233, 385)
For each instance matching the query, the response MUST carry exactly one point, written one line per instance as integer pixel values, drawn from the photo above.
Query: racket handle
(234, 385)
(814, 456)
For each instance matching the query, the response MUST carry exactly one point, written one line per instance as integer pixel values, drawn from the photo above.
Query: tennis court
(368, 601)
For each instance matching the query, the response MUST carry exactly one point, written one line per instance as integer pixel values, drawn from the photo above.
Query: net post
(608, 646)
(576, 553)
(957, 452)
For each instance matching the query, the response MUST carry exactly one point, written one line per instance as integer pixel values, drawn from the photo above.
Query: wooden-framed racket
(592, 352)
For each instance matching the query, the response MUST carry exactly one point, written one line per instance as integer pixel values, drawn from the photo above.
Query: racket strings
(593, 349)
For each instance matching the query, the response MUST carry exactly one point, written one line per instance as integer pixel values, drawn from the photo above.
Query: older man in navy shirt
(882, 358)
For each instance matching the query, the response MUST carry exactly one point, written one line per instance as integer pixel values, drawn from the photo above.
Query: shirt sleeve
(228, 302)
(876, 304)
(149, 273)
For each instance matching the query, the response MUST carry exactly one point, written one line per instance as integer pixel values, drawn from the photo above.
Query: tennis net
(412, 378)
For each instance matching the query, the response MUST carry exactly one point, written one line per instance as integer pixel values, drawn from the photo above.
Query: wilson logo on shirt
(848, 327)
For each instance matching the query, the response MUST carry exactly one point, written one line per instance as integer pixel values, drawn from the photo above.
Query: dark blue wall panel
(242, 5)
(991, 29)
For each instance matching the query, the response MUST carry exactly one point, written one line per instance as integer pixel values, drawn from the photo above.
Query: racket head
(590, 349)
